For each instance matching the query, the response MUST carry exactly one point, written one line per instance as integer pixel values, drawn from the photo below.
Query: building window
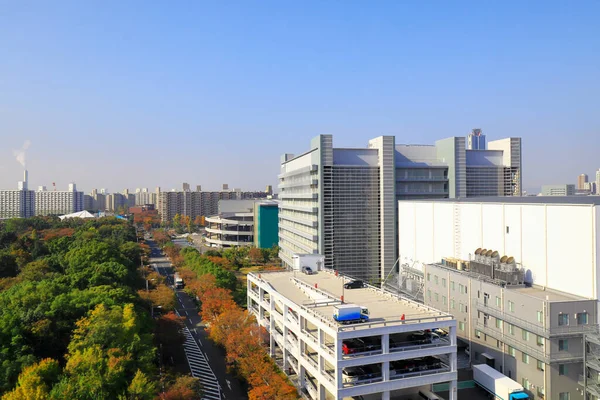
(444, 300)
(437, 297)
(435, 279)
(444, 282)
(498, 344)
(564, 396)
(452, 304)
(461, 326)
(540, 341)
(461, 307)
(428, 277)
(525, 358)
(511, 351)
(540, 365)
(540, 316)
(498, 301)
(562, 369)
(498, 323)
(582, 318)
(563, 319)
(540, 391)
(453, 285)
(511, 306)
(507, 230)
(511, 329)
(526, 384)
(525, 335)
(461, 288)
(563, 345)
(477, 334)
(429, 294)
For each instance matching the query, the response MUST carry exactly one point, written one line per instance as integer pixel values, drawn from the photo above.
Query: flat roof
(383, 306)
(545, 294)
(583, 200)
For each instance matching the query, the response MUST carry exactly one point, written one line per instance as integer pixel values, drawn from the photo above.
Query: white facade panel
(406, 229)
(443, 232)
(470, 229)
(492, 229)
(512, 231)
(533, 243)
(556, 244)
(297, 163)
(570, 249)
(424, 230)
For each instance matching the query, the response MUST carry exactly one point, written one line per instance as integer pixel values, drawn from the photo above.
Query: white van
(427, 395)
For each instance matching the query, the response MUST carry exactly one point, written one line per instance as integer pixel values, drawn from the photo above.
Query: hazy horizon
(126, 95)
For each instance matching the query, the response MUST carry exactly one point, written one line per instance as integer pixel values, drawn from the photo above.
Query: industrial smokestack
(25, 175)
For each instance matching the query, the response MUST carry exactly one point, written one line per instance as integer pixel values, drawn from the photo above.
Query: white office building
(341, 202)
(58, 202)
(387, 357)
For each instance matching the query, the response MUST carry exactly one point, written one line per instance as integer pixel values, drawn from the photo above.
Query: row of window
(462, 288)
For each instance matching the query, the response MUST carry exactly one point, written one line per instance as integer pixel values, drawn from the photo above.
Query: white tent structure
(80, 214)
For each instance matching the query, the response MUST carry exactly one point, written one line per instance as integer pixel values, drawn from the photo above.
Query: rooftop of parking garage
(384, 308)
(545, 294)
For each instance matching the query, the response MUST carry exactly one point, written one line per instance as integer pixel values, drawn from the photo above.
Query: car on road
(355, 284)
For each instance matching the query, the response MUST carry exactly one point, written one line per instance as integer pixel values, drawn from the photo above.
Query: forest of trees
(73, 323)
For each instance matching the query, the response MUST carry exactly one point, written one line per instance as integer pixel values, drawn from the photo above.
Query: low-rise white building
(556, 240)
(390, 355)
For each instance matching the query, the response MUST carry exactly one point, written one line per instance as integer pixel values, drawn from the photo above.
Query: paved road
(231, 388)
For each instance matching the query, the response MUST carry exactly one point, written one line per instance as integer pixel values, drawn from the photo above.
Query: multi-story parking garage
(395, 354)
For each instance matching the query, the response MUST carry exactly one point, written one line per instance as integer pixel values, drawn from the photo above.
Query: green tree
(140, 388)
(35, 381)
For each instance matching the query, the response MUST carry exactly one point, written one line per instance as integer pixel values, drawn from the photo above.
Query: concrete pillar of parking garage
(385, 395)
(301, 376)
(453, 391)
(272, 326)
(285, 339)
(452, 334)
(322, 392)
(261, 298)
(321, 335)
(385, 347)
(339, 383)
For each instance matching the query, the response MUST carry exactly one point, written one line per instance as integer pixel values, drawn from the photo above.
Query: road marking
(228, 383)
(189, 319)
(200, 343)
(207, 359)
(186, 313)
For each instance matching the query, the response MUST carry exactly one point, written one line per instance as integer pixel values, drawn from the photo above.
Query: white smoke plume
(20, 154)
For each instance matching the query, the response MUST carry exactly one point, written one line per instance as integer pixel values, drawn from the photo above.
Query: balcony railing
(536, 352)
(555, 331)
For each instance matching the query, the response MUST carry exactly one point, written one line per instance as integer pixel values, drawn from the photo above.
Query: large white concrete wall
(556, 244)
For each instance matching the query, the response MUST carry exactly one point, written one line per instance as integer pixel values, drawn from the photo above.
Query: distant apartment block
(341, 202)
(558, 190)
(58, 202)
(198, 203)
(16, 203)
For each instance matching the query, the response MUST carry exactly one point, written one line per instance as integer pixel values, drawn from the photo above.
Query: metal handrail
(534, 328)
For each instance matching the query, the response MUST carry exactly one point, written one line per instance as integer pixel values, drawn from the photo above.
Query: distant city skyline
(122, 96)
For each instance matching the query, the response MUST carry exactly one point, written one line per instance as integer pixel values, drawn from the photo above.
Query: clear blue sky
(144, 93)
